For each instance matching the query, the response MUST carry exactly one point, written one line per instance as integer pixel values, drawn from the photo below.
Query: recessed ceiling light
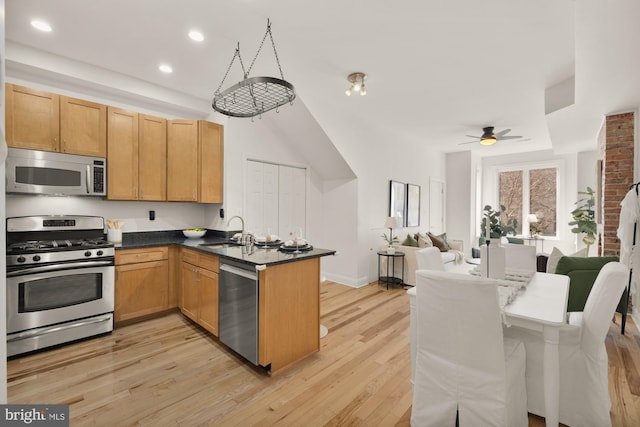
(196, 36)
(165, 68)
(41, 25)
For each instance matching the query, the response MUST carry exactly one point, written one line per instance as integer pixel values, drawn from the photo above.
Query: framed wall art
(397, 201)
(413, 205)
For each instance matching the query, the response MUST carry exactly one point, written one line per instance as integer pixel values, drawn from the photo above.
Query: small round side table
(390, 277)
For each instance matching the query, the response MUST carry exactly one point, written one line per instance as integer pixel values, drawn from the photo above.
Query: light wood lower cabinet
(199, 289)
(289, 313)
(142, 282)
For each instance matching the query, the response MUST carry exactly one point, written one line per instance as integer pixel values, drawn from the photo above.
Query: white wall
(461, 198)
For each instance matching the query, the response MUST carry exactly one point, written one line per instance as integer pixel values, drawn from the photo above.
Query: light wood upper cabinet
(136, 156)
(83, 127)
(152, 154)
(211, 162)
(32, 118)
(195, 157)
(182, 160)
(39, 120)
(122, 155)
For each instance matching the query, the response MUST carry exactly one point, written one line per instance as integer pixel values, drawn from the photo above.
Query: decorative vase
(391, 250)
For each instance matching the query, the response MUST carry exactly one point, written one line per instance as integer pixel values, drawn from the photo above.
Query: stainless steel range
(60, 281)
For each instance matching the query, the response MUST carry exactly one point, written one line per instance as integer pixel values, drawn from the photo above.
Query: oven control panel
(60, 256)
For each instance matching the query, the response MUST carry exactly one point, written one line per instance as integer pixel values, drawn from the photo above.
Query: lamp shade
(532, 218)
(391, 222)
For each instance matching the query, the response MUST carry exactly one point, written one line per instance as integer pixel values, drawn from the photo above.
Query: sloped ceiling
(437, 71)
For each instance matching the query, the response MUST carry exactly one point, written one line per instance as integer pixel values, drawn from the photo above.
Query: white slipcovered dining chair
(584, 387)
(520, 257)
(464, 366)
(426, 259)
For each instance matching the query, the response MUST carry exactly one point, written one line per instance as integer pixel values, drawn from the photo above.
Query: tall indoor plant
(497, 228)
(584, 218)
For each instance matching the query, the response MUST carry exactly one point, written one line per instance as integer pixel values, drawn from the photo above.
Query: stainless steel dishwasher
(238, 300)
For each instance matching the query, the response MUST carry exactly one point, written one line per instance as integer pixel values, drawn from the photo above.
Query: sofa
(452, 252)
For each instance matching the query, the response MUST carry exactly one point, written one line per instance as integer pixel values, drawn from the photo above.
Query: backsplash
(168, 215)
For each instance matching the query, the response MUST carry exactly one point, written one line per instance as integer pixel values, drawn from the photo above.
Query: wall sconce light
(357, 84)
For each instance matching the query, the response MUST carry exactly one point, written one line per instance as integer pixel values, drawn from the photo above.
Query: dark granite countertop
(216, 243)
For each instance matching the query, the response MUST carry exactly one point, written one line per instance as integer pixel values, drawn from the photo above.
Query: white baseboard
(347, 281)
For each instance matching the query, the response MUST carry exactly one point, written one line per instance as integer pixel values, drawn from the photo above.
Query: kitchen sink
(221, 245)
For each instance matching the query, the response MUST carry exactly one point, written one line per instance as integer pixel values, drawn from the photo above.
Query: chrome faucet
(245, 239)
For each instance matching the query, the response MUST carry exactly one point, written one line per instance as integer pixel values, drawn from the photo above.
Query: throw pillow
(410, 241)
(515, 240)
(423, 240)
(555, 256)
(440, 241)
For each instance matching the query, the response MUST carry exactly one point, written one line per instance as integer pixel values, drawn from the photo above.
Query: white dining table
(542, 306)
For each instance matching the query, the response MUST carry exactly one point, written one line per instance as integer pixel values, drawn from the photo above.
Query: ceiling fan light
(348, 91)
(363, 90)
(488, 141)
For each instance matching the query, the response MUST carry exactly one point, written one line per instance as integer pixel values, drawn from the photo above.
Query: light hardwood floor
(167, 372)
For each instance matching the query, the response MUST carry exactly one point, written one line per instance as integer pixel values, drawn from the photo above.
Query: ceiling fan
(489, 137)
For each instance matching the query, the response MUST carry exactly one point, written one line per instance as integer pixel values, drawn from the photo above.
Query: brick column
(617, 175)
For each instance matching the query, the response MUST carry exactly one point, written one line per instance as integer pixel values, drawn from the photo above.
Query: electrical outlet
(152, 215)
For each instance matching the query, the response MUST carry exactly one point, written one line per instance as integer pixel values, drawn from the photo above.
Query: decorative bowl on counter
(194, 233)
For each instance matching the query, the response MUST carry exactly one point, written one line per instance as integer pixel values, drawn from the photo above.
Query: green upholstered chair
(582, 272)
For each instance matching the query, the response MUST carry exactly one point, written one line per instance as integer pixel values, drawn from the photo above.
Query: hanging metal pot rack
(253, 96)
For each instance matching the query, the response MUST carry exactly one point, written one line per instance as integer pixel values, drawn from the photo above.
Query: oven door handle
(56, 267)
(54, 329)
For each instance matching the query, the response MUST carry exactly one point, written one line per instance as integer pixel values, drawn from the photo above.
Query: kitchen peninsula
(288, 290)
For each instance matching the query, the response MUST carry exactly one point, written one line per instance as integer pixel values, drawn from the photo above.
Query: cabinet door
(32, 118)
(152, 151)
(141, 289)
(182, 160)
(208, 308)
(122, 155)
(211, 162)
(189, 291)
(83, 127)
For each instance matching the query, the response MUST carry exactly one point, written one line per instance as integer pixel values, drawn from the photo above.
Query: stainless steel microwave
(55, 174)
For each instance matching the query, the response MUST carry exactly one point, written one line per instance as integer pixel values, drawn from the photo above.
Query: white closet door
(262, 197)
(276, 199)
(292, 217)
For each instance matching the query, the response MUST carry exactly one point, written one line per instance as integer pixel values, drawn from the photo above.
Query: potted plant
(496, 227)
(584, 218)
(390, 239)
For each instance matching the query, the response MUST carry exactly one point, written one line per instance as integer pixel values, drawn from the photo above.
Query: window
(530, 190)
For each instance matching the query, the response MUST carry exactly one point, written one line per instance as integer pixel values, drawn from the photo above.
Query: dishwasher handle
(239, 271)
